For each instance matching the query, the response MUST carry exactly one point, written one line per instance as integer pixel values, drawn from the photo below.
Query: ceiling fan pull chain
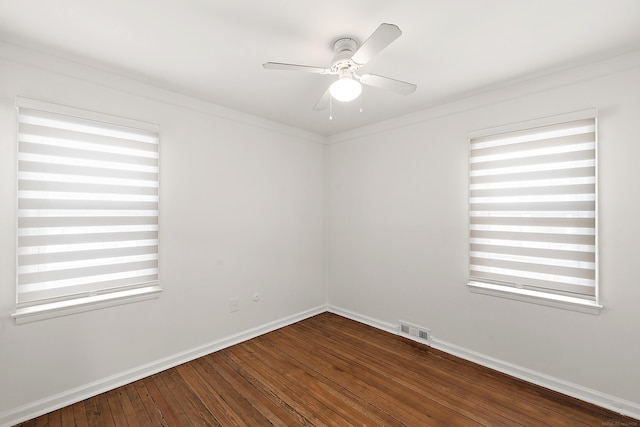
(330, 108)
(361, 103)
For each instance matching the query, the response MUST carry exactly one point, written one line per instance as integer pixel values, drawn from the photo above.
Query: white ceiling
(214, 49)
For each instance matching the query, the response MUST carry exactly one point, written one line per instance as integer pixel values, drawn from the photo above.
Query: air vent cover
(415, 332)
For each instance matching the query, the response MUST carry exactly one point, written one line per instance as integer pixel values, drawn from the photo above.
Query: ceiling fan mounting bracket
(343, 49)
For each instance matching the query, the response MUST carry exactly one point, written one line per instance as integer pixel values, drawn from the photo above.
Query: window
(88, 192)
(532, 204)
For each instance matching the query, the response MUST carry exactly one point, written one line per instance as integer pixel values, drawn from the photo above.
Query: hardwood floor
(328, 370)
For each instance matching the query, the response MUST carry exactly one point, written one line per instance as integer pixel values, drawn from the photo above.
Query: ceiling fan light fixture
(345, 89)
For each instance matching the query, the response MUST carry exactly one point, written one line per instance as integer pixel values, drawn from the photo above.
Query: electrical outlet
(234, 304)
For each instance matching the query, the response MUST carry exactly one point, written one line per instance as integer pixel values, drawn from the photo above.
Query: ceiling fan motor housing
(343, 51)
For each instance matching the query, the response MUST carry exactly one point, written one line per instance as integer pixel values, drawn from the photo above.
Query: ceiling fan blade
(323, 101)
(387, 83)
(381, 38)
(295, 67)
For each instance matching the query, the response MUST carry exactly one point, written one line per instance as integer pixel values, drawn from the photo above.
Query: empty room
(278, 212)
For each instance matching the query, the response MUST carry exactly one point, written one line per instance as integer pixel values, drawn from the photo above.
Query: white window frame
(533, 294)
(37, 299)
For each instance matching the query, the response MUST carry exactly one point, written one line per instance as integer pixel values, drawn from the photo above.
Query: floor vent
(415, 332)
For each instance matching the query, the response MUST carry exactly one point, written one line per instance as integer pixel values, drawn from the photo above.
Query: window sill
(79, 305)
(536, 297)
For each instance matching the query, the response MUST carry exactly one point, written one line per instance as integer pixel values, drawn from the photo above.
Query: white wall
(241, 212)
(398, 231)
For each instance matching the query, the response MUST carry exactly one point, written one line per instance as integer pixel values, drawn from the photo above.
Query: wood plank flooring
(328, 370)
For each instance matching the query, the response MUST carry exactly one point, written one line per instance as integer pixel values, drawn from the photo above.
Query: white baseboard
(565, 387)
(69, 397)
(378, 324)
(595, 397)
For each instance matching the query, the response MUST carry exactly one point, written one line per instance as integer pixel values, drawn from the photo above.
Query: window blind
(533, 207)
(88, 195)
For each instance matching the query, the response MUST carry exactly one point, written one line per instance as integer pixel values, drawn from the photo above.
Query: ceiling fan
(347, 59)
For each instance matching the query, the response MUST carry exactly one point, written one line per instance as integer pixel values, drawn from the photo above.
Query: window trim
(80, 305)
(27, 313)
(574, 303)
(536, 297)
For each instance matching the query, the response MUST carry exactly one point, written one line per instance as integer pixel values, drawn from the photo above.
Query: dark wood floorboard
(329, 370)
